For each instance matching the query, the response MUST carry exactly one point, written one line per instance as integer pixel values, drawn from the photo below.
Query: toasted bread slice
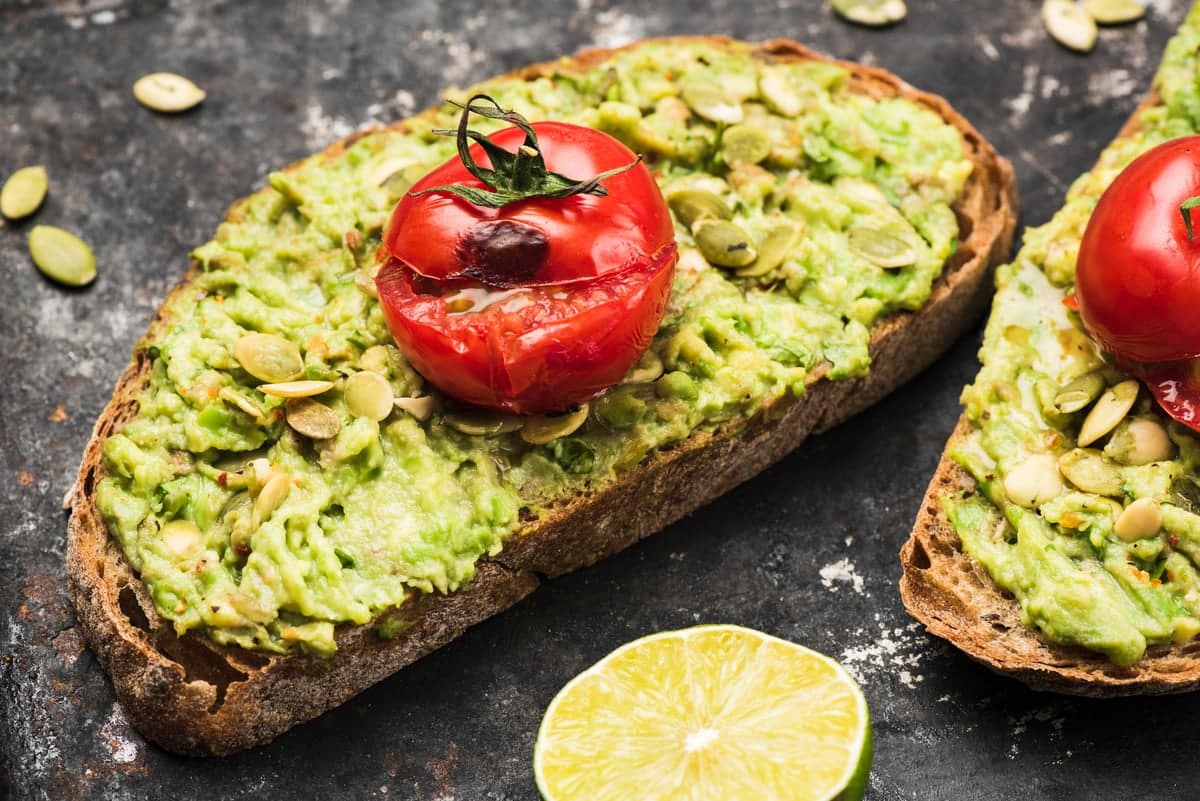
(195, 697)
(955, 598)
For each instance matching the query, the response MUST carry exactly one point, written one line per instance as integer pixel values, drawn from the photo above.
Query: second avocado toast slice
(1042, 588)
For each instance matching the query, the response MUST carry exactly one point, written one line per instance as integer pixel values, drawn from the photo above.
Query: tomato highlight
(511, 286)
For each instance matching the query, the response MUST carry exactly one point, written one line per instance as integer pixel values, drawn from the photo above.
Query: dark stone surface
(144, 189)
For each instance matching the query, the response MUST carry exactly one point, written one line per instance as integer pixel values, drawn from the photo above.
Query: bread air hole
(199, 660)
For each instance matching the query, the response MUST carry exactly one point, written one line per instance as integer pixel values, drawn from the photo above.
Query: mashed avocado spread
(1098, 537)
(245, 529)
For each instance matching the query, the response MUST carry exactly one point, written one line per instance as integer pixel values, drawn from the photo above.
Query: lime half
(710, 713)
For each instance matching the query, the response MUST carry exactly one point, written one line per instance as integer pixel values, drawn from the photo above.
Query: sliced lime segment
(709, 713)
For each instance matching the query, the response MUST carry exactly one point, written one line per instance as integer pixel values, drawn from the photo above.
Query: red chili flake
(1071, 302)
(223, 479)
(278, 415)
(242, 549)
(1173, 539)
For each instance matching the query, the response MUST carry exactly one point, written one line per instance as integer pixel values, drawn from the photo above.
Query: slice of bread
(195, 697)
(954, 597)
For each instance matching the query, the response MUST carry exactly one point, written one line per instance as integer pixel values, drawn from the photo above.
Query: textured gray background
(806, 551)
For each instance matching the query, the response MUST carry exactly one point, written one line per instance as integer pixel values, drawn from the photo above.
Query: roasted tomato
(1138, 274)
(511, 286)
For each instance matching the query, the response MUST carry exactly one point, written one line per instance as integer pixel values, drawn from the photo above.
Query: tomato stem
(1185, 208)
(515, 176)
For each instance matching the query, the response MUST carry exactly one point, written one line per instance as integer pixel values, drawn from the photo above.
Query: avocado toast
(220, 635)
(1053, 588)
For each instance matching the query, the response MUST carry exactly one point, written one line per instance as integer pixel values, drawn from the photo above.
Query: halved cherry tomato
(530, 303)
(1137, 279)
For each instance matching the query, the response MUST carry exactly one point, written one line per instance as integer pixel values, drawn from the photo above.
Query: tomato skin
(535, 339)
(1138, 276)
(536, 355)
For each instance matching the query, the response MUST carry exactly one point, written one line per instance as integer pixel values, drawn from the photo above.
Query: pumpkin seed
(1139, 441)
(745, 144)
(692, 205)
(182, 537)
(364, 279)
(482, 424)
(648, 368)
(420, 408)
(1080, 392)
(1069, 24)
(881, 249)
(273, 493)
(1091, 472)
(62, 256)
(312, 418)
(268, 357)
(23, 192)
(724, 244)
(368, 395)
(1034, 481)
(772, 251)
(167, 92)
(1114, 12)
(1110, 409)
(709, 101)
(874, 13)
(1142, 518)
(777, 91)
(377, 359)
(541, 429)
(295, 389)
(235, 398)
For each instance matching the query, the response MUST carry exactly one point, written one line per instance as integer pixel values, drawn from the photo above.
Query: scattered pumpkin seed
(312, 418)
(745, 144)
(23, 192)
(364, 279)
(420, 408)
(1034, 481)
(1142, 518)
(709, 101)
(1069, 24)
(648, 368)
(273, 493)
(777, 91)
(724, 244)
(1079, 393)
(482, 424)
(295, 389)
(167, 92)
(1114, 12)
(772, 251)
(542, 429)
(1091, 472)
(874, 13)
(369, 395)
(1110, 409)
(235, 398)
(182, 537)
(692, 205)
(62, 256)
(377, 359)
(268, 357)
(881, 249)
(1139, 441)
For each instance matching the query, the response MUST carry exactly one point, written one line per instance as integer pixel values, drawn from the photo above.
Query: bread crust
(195, 697)
(953, 596)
